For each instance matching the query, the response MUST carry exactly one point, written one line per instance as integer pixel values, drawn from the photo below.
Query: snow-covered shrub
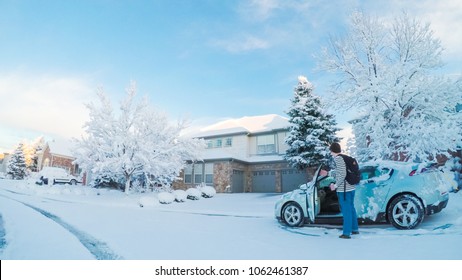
(148, 201)
(193, 193)
(208, 191)
(166, 197)
(180, 195)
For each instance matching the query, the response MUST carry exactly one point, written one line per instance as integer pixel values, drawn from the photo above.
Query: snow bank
(148, 201)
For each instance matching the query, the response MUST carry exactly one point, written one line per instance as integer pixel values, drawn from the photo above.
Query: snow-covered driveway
(79, 223)
(32, 230)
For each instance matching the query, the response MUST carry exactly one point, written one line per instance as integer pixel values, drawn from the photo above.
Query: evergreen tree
(17, 164)
(30, 150)
(311, 130)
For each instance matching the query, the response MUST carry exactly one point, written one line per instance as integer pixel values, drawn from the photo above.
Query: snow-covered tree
(311, 129)
(30, 150)
(136, 140)
(16, 168)
(387, 72)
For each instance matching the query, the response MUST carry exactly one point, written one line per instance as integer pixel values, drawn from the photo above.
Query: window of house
(208, 170)
(266, 144)
(218, 143)
(198, 169)
(188, 174)
(198, 173)
(228, 142)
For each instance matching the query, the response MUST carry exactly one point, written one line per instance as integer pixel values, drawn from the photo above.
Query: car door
(312, 202)
(61, 177)
(372, 191)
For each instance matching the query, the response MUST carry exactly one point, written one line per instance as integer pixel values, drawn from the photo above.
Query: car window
(369, 172)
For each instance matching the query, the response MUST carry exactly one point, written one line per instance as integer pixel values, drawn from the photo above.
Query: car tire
(405, 212)
(73, 182)
(292, 214)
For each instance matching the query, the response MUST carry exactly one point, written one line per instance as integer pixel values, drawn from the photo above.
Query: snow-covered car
(56, 175)
(389, 192)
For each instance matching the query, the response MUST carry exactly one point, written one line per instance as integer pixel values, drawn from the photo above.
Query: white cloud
(259, 9)
(445, 18)
(244, 43)
(43, 104)
(446, 21)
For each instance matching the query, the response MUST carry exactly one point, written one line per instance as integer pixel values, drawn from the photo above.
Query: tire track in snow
(214, 214)
(2, 234)
(100, 250)
(380, 233)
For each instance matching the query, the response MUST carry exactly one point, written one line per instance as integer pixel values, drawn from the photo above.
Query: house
(4, 158)
(57, 153)
(244, 155)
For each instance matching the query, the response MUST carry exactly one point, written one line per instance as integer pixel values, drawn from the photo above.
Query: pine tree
(30, 150)
(17, 164)
(311, 130)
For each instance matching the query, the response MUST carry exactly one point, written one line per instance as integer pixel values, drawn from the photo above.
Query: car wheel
(73, 182)
(405, 212)
(292, 214)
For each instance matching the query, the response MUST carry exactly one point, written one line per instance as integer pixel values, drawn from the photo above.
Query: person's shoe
(355, 232)
(343, 236)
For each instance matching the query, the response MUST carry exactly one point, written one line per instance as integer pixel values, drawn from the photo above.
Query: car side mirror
(303, 187)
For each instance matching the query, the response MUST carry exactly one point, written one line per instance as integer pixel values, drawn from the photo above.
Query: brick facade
(55, 160)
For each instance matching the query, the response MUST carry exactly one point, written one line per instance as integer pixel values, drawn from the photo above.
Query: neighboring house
(4, 158)
(244, 155)
(57, 153)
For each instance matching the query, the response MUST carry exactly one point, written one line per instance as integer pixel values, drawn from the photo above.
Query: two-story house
(244, 155)
(57, 153)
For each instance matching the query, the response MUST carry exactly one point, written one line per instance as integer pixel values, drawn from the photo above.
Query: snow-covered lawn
(76, 222)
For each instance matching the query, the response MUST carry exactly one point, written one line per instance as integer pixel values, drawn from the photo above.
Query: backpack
(353, 175)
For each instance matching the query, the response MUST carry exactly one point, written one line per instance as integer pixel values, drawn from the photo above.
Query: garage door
(292, 179)
(264, 181)
(237, 185)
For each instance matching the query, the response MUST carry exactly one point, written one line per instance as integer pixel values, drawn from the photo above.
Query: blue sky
(206, 60)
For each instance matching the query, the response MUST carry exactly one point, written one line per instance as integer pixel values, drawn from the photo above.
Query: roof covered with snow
(61, 147)
(245, 125)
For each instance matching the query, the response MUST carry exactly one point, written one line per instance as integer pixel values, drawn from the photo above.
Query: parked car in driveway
(397, 193)
(56, 175)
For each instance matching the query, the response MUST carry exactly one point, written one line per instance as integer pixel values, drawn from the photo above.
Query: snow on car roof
(49, 171)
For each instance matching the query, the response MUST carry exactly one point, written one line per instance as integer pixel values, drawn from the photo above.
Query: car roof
(396, 165)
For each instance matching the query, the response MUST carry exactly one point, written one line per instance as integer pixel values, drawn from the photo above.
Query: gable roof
(245, 125)
(61, 147)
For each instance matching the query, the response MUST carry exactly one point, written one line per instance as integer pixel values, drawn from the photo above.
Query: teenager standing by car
(345, 194)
